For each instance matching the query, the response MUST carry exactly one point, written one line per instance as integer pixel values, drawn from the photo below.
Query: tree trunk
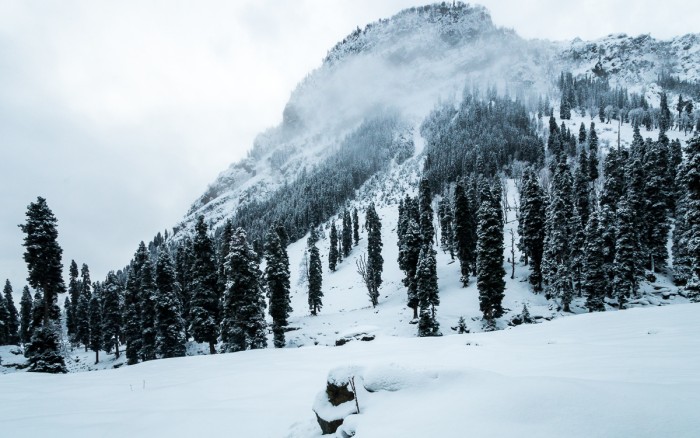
(97, 356)
(116, 349)
(212, 348)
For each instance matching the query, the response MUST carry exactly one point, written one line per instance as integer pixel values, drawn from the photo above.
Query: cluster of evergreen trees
(471, 223)
(598, 234)
(593, 95)
(478, 137)
(156, 304)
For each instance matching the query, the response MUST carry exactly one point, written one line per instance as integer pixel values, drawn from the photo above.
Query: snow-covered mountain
(410, 62)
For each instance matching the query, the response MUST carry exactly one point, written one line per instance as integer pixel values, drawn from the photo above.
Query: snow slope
(622, 374)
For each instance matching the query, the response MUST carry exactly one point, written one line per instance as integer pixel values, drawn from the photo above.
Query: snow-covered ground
(614, 374)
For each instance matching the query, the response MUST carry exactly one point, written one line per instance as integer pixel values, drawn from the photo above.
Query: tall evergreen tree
(132, 306)
(665, 115)
(315, 274)
(463, 225)
(222, 275)
(111, 314)
(170, 326)
(656, 195)
(83, 309)
(95, 318)
(25, 320)
(489, 256)
(148, 295)
(333, 251)
(70, 317)
(13, 315)
(347, 233)
(582, 134)
(592, 153)
(204, 305)
(692, 214)
(626, 268)
(277, 280)
(355, 226)
(183, 276)
(409, 243)
(594, 278)
(582, 191)
(375, 262)
(74, 289)
(4, 322)
(555, 261)
(427, 230)
(531, 225)
(243, 321)
(427, 291)
(43, 257)
(446, 226)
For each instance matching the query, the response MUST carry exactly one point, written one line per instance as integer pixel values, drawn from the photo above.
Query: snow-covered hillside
(632, 373)
(410, 62)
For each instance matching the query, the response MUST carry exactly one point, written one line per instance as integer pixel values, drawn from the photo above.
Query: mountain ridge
(410, 62)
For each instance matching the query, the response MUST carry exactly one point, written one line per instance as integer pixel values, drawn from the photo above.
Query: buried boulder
(338, 401)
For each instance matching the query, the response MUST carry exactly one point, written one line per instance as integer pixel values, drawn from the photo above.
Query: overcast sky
(120, 113)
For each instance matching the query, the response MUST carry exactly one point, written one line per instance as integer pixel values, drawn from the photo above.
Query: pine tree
(70, 317)
(355, 226)
(132, 307)
(4, 322)
(315, 276)
(83, 309)
(204, 305)
(594, 278)
(375, 262)
(170, 326)
(592, 154)
(13, 315)
(243, 320)
(463, 225)
(675, 157)
(682, 260)
(222, 275)
(555, 261)
(582, 134)
(446, 225)
(489, 255)
(148, 300)
(43, 257)
(427, 230)
(347, 233)
(25, 320)
(576, 251)
(656, 194)
(74, 289)
(665, 115)
(111, 314)
(333, 251)
(277, 281)
(95, 318)
(531, 225)
(625, 266)
(582, 195)
(427, 291)
(692, 215)
(183, 277)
